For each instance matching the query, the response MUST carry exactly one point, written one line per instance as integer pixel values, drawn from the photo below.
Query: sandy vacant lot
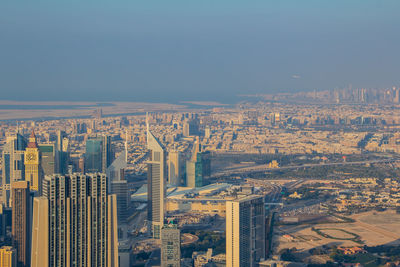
(374, 228)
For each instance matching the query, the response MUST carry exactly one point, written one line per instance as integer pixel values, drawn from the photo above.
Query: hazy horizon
(171, 51)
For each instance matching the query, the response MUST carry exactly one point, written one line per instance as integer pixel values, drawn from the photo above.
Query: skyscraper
(156, 179)
(98, 154)
(175, 168)
(170, 246)
(13, 165)
(8, 257)
(191, 179)
(118, 185)
(61, 153)
(121, 190)
(48, 159)
(198, 167)
(40, 233)
(32, 160)
(75, 223)
(190, 127)
(245, 231)
(21, 222)
(116, 170)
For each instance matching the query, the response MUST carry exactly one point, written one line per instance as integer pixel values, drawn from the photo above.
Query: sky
(187, 50)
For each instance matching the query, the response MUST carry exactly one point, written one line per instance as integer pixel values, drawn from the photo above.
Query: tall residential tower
(75, 223)
(12, 165)
(170, 246)
(245, 231)
(21, 222)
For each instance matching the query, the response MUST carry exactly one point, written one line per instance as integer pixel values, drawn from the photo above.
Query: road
(264, 167)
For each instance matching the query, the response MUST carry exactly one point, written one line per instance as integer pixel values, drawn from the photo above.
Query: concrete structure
(156, 182)
(48, 159)
(124, 253)
(174, 168)
(170, 246)
(32, 160)
(61, 152)
(21, 222)
(190, 127)
(40, 233)
(75, 223)
(121, 190)
(198, 167)
(8, 257)
(245, 231)
(12, 165)
(98, 154)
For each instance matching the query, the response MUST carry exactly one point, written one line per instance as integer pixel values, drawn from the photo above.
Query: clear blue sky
(173, 50)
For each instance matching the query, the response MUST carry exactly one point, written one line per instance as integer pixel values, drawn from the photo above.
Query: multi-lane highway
(265, 167)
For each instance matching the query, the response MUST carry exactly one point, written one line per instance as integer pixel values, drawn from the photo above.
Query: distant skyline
(171, 51)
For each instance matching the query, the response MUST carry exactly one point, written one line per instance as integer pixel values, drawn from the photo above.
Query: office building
(21, 222)
(75, 223)
(116, 170)
(98, 154)
(32, 161)
(61, 153)
(191, 179)
(174, 168)
(156, 182)
(191, 127)
(8, 257)
(48, 158)
(198, 167)
(5, 224)
(245, 231)
(13, 168)
(170, 246)
(118, 185)
(121, 190)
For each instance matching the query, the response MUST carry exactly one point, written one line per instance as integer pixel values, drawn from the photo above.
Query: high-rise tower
(245, 231)
(48, 158)
(13, 165)
(119, 186)
(8, 257)
(75, 223)
(98, 154)
(170, 246)
(175, 168)
(33, 172)
(61, 153)
(198, 167)
(21, 222)
(156, 182)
